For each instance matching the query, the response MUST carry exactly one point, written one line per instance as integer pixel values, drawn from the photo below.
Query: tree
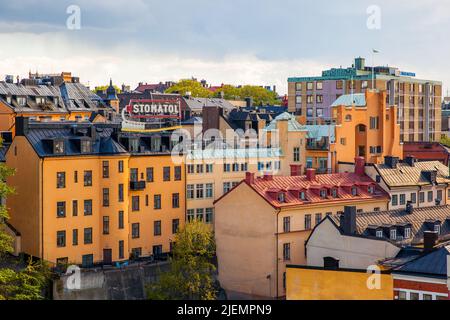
(190, 275)
(259, 94)
(445, 141)
(16, 283)
(193, 86)
(103, 88)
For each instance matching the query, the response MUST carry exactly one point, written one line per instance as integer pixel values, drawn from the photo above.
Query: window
(105, 169)
(286, 251)
(296, 154)
(421, 197)
(339, 84)
(427, 297)
(309, 100)
(430, 196)
(298, 99)
(136, 252)
(106, 197)
(61, 209)
(87, 178)
(157, 201)
(393, 234)
(135, 203)
(135, 230)
(190, 168)
(105, 224)
(364, 84)
(199, 168)
(323, 193)
(437, 228)
(157, 250)
(177, 173)
(87, 260)
(121, 249)
(175, 225)
(309, 86)
(166, 174)
(175, 200)
(60, 180)
(226, 187)
(235, 167)
(209, 214)
(413, 296)
(88, 236)
(286, 224)
(343, 141)
(75, 237)
(75, 208)
(134, 174)
(307, 221)
(407, 233)
(319, 99)
(379, 234)
(61, 238)
(281, 197)
(190, 214)
(120, 166)
(402, 199)
(121, 220)
(146, 200)
(199, 214)
(199, 191)
(302, 195)
(75, 176)
(374, 122)
(209, 168)
(209, 190)
(149, 174)
(88, 207)
(157, 228)
(413, 197)
(190, 191)
(58, 147)
(86, 146)
(402, 295)
(439, 195)
(319, 85)
(120, 190)
(298, 86)
(354, 191)
(318, 218)
(394, 200)
(371, 189)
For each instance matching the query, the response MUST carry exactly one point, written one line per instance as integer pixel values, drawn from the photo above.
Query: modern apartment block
(419, 101)
(89, 193)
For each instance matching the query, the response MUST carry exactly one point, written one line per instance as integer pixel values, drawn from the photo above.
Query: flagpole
(373, 69)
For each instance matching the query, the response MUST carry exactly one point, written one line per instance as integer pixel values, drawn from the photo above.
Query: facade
(419, 101)
(252, 257)
(315, 283)
(380, 238)
(87, 193)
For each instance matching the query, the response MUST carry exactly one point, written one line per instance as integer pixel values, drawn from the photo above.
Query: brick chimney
(348, 220)
(249, 177)
(296, 170)
(359, 166)
(311, 174)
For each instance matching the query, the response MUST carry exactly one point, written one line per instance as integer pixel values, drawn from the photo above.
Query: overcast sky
(223, 41)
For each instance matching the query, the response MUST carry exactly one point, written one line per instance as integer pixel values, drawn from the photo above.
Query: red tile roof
(291, 186)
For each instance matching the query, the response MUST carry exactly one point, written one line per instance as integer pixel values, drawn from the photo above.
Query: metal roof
(293, 125)
(433, 263)
(356, 99)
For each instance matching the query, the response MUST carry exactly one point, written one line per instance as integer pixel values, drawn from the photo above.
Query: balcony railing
(317, 146)
(137, 185)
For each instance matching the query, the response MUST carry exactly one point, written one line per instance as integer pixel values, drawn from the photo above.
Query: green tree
(260, 95)
(103, 88)
(194, 87)
(16, 283)
(445, 141)
(190, 275)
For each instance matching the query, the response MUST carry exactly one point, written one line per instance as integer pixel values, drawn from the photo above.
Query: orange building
(87, 193)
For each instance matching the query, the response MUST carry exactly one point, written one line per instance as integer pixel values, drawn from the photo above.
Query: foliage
(103, 88)
(260, 95)
(445, 140)
(190, 275)
(189, 85)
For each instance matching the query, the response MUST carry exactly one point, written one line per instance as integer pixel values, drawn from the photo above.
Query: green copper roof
(356, 99)
(293, 125)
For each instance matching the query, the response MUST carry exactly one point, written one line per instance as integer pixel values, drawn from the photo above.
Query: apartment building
(262, 224)
(89, 193)
(419, 101)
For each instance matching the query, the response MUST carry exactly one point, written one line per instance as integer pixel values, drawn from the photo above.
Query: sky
(260, 42)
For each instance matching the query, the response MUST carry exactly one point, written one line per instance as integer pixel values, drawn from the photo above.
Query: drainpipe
(277, 259)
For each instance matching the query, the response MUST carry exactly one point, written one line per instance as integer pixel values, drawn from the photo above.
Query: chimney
(268, 176)
(296, 170)
(360, 166)
(22, 126)
(248, 102)
(311, 174)
(249, 177)
(410, 160)
(391, 161)
(429, 240)
(409, 207)
(348, 220)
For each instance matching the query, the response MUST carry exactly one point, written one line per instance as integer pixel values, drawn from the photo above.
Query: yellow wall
(319, 284)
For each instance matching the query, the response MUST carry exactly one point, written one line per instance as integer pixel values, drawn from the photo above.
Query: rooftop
(293, 124)
(348, 100)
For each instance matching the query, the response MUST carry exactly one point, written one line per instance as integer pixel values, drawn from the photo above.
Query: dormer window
(8, 100)
(437, 228)
(86, 146)
(302, 195)
(56, 100)
(371, 189)
(407, 233)
(323, 193)
(58, 146)
(133, 145)
(379, 234)
(354, 191)
(334, 193)
(393, 234)
(281, 197)
(21, 101)
(40, 100)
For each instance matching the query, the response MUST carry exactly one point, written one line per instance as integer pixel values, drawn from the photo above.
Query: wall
(319, 284)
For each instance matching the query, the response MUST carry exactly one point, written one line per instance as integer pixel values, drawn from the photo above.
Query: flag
(375, 51)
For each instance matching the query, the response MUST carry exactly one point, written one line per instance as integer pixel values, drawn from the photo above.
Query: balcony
(137, 185)
(317, 146)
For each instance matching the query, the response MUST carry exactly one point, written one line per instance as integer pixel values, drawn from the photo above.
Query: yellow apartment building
(263, 223)
(89, 194)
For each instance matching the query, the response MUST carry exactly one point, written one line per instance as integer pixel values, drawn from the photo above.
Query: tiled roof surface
(290, 185)
(293, 125)
(433, 263)
(356, 99)
(197, 104)
(405, 175)
(78, 97)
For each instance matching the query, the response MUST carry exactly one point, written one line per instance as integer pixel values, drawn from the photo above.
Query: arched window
(348, 117)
